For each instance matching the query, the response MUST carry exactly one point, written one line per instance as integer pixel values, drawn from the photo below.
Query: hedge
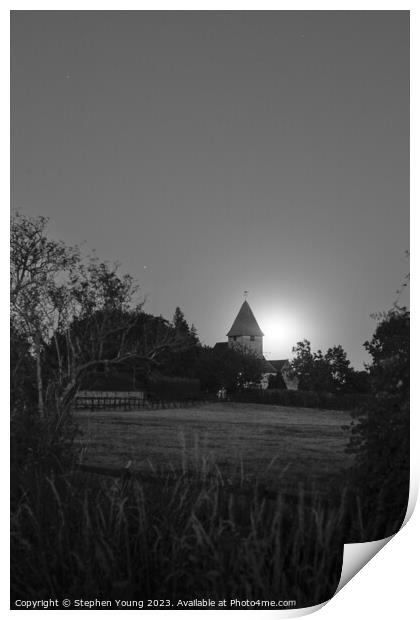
(174, 388)
(301, 398)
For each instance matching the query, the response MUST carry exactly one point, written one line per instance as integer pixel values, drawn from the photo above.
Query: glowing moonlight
(282, 330)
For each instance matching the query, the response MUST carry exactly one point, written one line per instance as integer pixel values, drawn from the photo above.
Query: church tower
(245, 332)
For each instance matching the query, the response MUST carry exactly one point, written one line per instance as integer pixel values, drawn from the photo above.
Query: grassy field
(261, 442)
(231, 501)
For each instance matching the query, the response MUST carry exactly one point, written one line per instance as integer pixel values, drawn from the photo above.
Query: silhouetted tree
(76, 317)
(23, 388)
(380, 429)
(325, 373)
(359, 382)
(180, 324)
(181, 360)
(311, 369)
(39, 269)
(227, 367)
(339, 367)
(108, 330)
(182, 329)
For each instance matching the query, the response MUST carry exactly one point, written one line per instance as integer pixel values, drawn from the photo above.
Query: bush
(380, 432)
(113, 380)
(301, 398)
(23, 390)
(39, 446)
(174, 388)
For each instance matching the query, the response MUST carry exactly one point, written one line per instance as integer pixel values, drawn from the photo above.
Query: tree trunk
(39, 377)
(68, 396)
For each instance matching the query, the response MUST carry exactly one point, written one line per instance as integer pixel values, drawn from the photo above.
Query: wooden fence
(129, 403)
(126, 403)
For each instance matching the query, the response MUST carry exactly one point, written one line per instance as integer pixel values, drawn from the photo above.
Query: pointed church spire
(245, 323)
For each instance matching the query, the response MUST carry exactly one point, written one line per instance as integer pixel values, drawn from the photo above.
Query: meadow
(223, 501)
(273, 445)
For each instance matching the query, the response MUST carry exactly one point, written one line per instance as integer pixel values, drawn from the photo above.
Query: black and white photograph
(209, 304)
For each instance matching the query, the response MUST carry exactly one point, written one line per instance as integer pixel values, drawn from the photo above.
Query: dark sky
(217, 152)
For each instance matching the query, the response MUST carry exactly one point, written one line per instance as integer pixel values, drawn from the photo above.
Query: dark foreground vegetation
(188, 532)
(172, 535)
(303, 398)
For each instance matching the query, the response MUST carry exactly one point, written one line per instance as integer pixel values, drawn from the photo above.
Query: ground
(263, 442)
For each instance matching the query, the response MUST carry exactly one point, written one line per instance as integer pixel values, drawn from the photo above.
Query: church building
(246, 334)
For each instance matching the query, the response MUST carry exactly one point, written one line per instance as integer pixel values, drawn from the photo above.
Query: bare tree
(107, 329)
(77, 315)
(39, 267)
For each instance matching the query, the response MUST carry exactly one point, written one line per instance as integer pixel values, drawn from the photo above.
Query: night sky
(216, 152)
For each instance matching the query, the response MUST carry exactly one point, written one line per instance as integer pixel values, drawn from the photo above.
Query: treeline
(327, 372)
(342, 401)
(380, 430)
(80, 324)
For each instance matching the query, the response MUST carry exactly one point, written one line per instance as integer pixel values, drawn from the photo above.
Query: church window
(252, 338)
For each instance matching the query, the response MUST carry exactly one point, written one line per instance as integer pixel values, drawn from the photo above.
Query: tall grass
(195, 532)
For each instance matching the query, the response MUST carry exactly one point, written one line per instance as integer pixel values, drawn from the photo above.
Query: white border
(387, 586)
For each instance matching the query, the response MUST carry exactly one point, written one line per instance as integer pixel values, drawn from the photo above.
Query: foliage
(100, 314)
(174, 388)
(318, 372)
(181, 361)
(380, 431)
(23, 389)
(276, 382)
(39, 271)
(36, 262)
(302, 398)
(227, 367)
(182, 329)
(183, 536)
(39, 446)
(78, 319)
(358, 382)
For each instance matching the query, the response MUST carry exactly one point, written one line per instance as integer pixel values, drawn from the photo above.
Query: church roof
(245, 323)
(278, 364)
(268, 367)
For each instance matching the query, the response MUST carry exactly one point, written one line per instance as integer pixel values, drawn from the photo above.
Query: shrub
(39, 446)
(175, 388)
(380, 432)
(113, 380)
(301, 398)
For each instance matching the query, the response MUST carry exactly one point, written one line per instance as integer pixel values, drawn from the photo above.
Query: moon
(282, 330)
